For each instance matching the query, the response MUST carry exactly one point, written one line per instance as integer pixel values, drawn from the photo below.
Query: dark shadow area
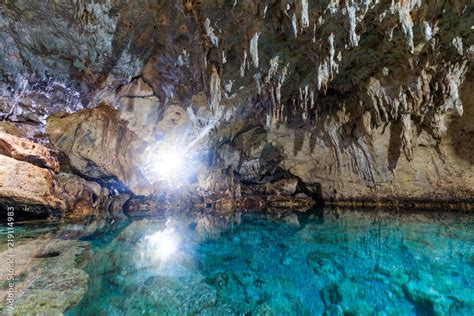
(461, 129)
(394, 145)
(47, 255)
(299, 140)
(23, 212)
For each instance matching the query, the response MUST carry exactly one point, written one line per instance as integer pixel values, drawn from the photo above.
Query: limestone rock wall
(354, 99)
(30, 178)
(28, 184)
(26, 150)
(100, 146)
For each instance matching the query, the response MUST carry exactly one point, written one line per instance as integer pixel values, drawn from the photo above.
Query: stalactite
(427, 31)
(406, 22)
(210, 32)
(305, 101)
(274, 62)
(327, 66)
(457, 43)
(258, 77)
(243, 65)
(224, 58)
(353, 37)
(455, 77)
(254, 49)
(304, 14)
(294, 25)
(215, 90)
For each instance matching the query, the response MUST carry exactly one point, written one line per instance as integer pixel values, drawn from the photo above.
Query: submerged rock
(48, 276)
(53, 293)
(166, 296)
(335, 262)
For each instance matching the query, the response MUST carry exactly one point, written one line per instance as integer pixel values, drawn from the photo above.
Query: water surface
(330, 262)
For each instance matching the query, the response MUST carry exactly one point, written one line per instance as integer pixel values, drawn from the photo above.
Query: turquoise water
(331, 262)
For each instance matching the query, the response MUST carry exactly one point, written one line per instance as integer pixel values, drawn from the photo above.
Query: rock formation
(52, 276)
(26, 150)
(26, 183)
(353, 100)
(99, 145)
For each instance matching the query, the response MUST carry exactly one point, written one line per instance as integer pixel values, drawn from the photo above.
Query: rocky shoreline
(33, 178)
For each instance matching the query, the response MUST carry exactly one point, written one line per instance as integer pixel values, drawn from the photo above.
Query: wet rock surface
(166, 295)
(49, 276)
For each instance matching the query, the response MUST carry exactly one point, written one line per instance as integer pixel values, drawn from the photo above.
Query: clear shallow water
(327, 262)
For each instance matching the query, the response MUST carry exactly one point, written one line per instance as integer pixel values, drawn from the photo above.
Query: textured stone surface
(83, 197)
(25, 183)
(100, 146)
(250, 155)
(48, 276)
(140, 107)
(434, 171)
(355, 100)
(166, 295)
(26, 150)
(28, 177)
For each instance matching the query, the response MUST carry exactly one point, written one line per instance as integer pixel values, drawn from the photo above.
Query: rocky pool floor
(331, 262)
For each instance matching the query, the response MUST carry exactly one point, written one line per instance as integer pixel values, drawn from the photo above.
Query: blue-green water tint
(330, 262)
